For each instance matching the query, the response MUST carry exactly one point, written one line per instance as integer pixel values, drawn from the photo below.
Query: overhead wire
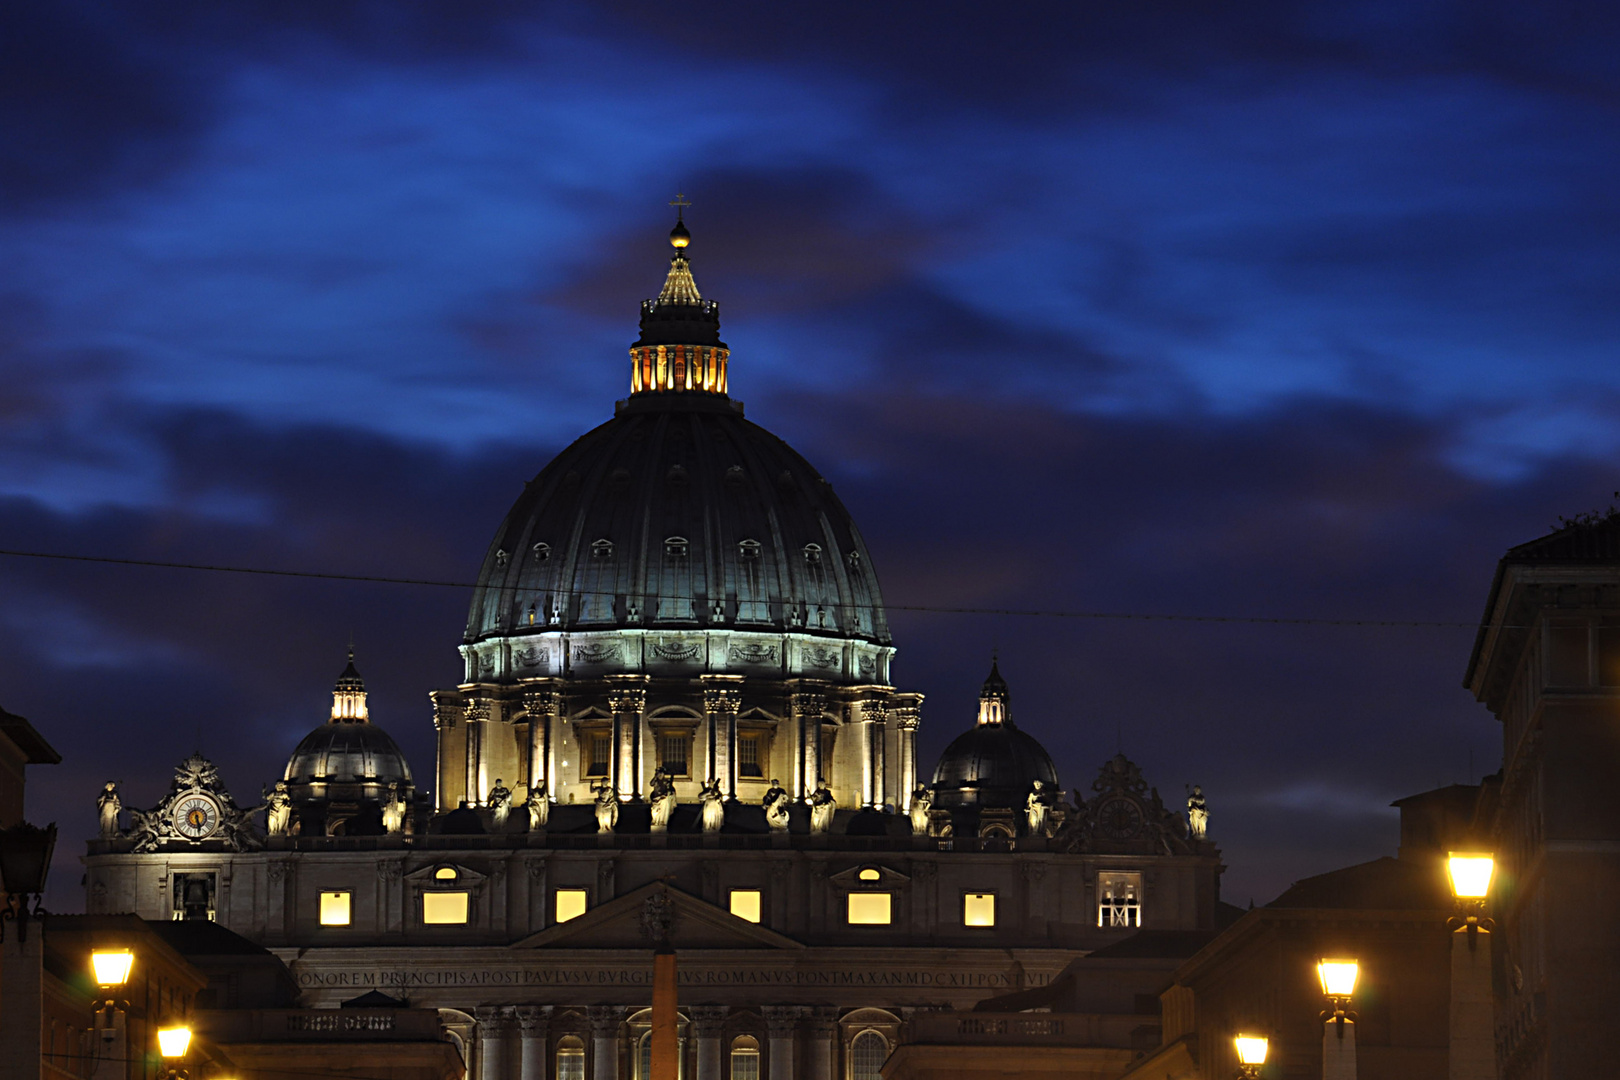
(1043, 613)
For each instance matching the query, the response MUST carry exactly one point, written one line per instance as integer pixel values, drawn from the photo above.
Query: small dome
(991, 765)
(346, 754)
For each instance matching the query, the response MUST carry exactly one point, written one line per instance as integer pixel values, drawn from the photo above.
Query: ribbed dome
(678, 513)
(346, 754)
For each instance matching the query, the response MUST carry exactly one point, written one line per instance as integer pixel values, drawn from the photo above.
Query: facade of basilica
(677, 721)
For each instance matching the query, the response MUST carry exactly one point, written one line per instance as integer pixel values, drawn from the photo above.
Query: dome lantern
(349, 697)
(994, 698)
(679, 350)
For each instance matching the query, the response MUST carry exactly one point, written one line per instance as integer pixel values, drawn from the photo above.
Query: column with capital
(907, 718)
(478, 713)
(781, 1025)
(534, 1029)
(708, 1024)
(494, 1031)
(604, 1020)
(447, 711)
(722, 700)
(807, 703)
(542, 706)
(823, 1030)
(627, 700)
(878, 710)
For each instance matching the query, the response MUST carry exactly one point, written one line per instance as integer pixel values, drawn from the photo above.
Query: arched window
(570, 1058)
(644, 1056)
(745, 1058)
(867, 1054)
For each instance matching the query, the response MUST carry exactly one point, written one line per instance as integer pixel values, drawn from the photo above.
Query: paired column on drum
(708, 1025)
(907, 713)
(543, 708)
(870, 717)
(478, 712)
(627, 700)
(604, 1020)
(807, 702)
(781, 1025)
(447, 713)
(722, 700)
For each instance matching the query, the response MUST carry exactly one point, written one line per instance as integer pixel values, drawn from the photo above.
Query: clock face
(1119, 819)
(196, 816)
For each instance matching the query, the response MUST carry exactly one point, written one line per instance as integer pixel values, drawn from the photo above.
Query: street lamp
(1471, 873)
(110, 967)
(25, 859)
(173, 1042)
(1251, 1054)
(1473, 1027)
(1338, 983)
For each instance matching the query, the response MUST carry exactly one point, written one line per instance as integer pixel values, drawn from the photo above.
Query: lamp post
(1338, 978)
(1251, 1054)
(110, 968)
(1473, 1035)
(173, 1042)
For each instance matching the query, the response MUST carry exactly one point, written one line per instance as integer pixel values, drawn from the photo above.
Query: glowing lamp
(1251, 1052)
(1470, 874)
(173, 1042)
(1338, 977)
(111, 967)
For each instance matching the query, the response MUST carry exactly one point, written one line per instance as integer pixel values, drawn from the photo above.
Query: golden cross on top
(680, 204)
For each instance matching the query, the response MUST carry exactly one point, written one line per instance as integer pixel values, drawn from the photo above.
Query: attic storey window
(1119, 899)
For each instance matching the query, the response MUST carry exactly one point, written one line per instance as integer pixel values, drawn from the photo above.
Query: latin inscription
(694, 978)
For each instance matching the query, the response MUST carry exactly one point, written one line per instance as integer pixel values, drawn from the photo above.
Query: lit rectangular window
(1119, 899)
(869, 909)
(334, 909)
(745, 904)
(444, 908)
(979, 909)
(571, 904)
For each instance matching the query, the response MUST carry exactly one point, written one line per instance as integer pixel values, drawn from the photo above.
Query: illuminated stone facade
(677, 700)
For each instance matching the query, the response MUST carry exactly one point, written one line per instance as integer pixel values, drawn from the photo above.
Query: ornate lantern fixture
(1251, 1054)
(25, 859)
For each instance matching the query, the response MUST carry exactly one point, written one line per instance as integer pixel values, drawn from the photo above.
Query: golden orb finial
(678, 236)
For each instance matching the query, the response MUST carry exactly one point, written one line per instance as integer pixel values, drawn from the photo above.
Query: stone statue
(714, 807)
(1197, 814)
(661, 796)
(607, 807)
(500, 805)
(393, 809)
(922, 801)
(1036, 807)
(107, 805)
(822, 806)
(776, 807)
(277, 809)
(539, 806)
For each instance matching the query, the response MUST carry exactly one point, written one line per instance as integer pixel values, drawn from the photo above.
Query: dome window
(854, 560)
(620, 477)
(677, 474)
(748, 549)
(675, 547)
(602, 549)
(502, 558)
(734, 475)
(812, 554)
(542, 551)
